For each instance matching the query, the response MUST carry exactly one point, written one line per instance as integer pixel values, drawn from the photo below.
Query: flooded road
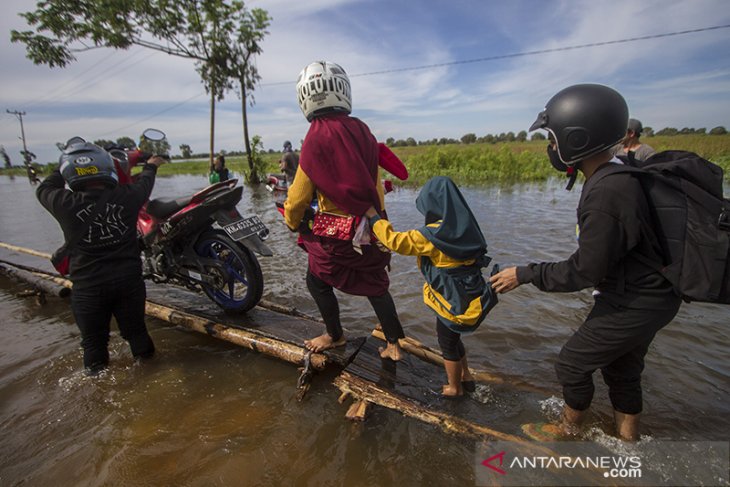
(205, 412)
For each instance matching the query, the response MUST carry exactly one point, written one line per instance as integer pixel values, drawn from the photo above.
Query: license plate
(244, 228)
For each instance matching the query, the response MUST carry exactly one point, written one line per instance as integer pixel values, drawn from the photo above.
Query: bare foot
(451, 391)
(391, 351)
(323, 342)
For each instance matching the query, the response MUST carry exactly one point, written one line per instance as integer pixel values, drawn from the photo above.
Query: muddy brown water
(205, 412)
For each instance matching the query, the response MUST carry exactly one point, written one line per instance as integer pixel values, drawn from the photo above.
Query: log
(282, 350)
(37, 281)
(357, 410)
(24, 250)
(286, 310)
(371, 392)
(61, 281)
(414, 347)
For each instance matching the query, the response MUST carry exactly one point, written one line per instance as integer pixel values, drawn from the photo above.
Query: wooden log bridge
(411, 386)
(271, 332)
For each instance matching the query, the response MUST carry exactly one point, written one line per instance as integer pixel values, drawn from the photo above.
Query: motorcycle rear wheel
(243, 288)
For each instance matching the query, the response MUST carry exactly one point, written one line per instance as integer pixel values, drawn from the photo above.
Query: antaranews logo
(548, 464)
(499, 456)
(581, 463)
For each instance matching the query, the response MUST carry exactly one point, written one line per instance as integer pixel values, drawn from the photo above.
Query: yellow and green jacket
(454, 289)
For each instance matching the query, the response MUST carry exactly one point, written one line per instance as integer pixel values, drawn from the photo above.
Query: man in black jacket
(632, 301)
(105, 264)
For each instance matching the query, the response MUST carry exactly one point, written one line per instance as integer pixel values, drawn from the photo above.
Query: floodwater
(205, 412)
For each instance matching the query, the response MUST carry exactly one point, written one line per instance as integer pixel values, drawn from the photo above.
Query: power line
(525, 53)
(117, 131)
(117, 68)
(468, 61)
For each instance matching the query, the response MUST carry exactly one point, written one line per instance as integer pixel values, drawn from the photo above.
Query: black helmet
(82, 163)
(584, 120)
(287, 146)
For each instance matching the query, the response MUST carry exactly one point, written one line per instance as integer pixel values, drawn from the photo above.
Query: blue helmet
(82, 163)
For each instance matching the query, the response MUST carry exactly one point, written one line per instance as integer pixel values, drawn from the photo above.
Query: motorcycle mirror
(153, 135)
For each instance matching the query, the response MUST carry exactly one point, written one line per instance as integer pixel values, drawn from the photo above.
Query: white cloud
(670, 79)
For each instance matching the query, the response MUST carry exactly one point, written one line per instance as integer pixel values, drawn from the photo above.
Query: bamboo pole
(282, 350)
(24, 250)
(414, 347)
(57, 279)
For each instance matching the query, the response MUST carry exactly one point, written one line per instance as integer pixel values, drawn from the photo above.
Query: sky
(673, 81)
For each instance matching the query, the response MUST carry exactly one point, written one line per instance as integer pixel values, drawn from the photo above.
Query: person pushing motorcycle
(105, 264)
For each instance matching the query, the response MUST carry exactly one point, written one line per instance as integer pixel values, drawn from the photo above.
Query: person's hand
(371, 212)
(156, 161)
(505, 281)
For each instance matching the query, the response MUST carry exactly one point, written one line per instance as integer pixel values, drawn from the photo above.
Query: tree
(411, 142)
(469, 139)
(720, 130)
(668, 131)
(6, 157)
(102, 142)
(648, 132)
(522, 136)
(205, 31)
(161, 147)
(538, 136)
(247, 31)
(390, 141)
(186, 151)
(127, 142)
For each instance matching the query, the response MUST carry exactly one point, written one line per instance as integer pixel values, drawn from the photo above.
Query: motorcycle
(200, 240)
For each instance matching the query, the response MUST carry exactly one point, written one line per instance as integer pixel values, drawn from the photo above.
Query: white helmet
(323, 87)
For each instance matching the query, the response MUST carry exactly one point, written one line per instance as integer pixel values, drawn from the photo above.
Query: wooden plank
(259, 321)
(252, 341)
(413, 387)
(414, 347)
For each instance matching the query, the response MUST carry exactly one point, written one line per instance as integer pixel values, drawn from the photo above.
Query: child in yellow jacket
(451, 251)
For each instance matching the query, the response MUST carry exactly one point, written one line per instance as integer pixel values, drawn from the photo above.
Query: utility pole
(32, 175)
(18, 114)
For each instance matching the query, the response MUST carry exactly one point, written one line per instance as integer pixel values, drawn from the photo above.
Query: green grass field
(476, 164)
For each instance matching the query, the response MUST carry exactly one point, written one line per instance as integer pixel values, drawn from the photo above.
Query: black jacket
(109, 250)
(614, 224)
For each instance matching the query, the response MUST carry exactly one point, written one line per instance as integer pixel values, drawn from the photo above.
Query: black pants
(450, 342)
(329, 308)
(93, 308)
(615, 340)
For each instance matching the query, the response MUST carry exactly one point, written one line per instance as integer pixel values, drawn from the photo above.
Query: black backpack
(691, 220)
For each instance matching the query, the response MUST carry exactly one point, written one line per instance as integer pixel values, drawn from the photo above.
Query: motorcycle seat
(164, 207)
